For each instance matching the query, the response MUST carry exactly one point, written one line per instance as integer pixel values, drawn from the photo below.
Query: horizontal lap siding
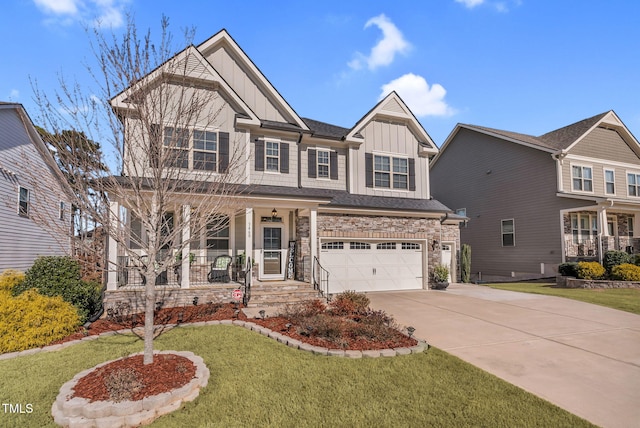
(324, 183)
(605, 144)
(496, 180)
(289, 179)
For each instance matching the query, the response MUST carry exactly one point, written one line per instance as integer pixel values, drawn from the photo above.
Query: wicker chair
(220, 269)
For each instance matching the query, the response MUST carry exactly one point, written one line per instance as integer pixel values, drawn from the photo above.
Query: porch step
(279, 294)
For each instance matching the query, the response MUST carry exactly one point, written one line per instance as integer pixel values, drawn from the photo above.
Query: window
(461, 212)
(609, 182)
(205, 150)
(630, 227)
(582, 178)
(61, 212)
(508, 233)
(176, 142)
(390, 172)
(333, 245)
(584, 227)
(612, 226)
(359, 246)
(323, 163)
(386, 246)
(272, 156)
(633, 183)
(217, 236)
(410, 246)
(23, 202)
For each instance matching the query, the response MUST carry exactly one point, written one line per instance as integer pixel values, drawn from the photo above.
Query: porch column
(186, 246)
(603, 230)
(313, 233)
(248, 233)
(636, 225)
(112, 262)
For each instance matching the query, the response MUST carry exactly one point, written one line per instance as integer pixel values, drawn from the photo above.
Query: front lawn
(256, 381)
(624, 299)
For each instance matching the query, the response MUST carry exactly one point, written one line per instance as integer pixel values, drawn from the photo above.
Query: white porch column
(186, 247)
(636, 225)
(112, 264)
(313, 233)
(248, 232)
(602, 221)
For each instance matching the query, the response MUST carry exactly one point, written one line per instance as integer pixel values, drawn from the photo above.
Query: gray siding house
(535, 202)
(355, 200)
(35, 213)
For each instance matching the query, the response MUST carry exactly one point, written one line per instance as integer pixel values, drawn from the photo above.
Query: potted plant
(440, 277)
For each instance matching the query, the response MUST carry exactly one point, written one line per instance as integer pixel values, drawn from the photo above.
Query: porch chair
(220, 269)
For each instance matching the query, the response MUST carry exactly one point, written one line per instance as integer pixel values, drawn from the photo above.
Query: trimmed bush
(349, 303)
(590, 270)
(61, 276)
(568, 269)
(615, 258)
(31, 320)
(10, 278)
(626, 272)
(465, 263)
(635, 259)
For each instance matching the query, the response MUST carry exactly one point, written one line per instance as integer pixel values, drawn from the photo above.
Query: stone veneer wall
(170, 297)
(350, 226)
(303, 250)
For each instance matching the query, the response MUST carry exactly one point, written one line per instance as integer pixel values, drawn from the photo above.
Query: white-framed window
(633, 184)
(386, 246)
(390, 172)
(62, 211)
(630, 226)
(410, 246)
(322, 159)
(332, 245)
(508, 231)
(582, 178)
(272, 156)
(24, 201)
(584, 227)
(176, 142)
(612, 225)
(205, 150)
(461, 212)
(609, 182)
(359, 246)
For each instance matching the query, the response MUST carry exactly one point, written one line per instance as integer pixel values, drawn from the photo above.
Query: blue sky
(527, 66)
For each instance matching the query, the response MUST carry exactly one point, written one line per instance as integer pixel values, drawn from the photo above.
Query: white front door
(445, 258)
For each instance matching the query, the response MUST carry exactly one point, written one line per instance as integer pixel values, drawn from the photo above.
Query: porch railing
(590, 248)
(246, 272)
(320, 278)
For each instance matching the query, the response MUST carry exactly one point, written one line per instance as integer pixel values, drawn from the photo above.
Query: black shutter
(223, 152)
(311, 154)
(368, 169)
(333, 165)
(412, 174)
(284, 158)
(259, 155)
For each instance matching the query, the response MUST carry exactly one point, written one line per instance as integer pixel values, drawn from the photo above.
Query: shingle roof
(323, 129)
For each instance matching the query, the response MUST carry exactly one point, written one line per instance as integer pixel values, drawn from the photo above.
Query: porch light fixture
(435, 245)
(411, 330)
(274, 213)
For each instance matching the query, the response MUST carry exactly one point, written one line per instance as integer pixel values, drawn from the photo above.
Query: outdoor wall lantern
(435, 245)
(274, 213)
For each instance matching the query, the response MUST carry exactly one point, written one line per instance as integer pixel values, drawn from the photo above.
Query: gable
(607, 144)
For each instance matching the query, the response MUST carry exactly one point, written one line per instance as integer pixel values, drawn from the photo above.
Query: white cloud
(102, 13)
(500, 6)
(384, 52)
(422, 99)
(14, 95)
(470, 3)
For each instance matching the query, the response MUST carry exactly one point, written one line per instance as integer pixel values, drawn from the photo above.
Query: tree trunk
(149, 308)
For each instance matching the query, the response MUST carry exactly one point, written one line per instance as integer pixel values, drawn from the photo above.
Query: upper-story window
(272, 156)
(323, 163)
(582, 178)
(633, 183)
(390, 172)
(176, 142)
(24, 201)
(62, 210)
(194, 149)
(609, 182)
(205, 150)
(508, 231)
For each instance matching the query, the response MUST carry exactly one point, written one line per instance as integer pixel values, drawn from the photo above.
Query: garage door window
(359, 246)
(333, 245)
(386, 246)
(410, 246)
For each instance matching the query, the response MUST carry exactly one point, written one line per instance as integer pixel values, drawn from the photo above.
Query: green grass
(624, 299)
(256, 381)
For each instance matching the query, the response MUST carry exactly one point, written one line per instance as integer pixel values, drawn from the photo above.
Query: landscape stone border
(79, 412)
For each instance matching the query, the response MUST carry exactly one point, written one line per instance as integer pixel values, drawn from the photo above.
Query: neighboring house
(357, 200)
(35, 213)
(535, 202)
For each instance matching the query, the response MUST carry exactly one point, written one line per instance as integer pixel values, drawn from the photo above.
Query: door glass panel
(272, 244)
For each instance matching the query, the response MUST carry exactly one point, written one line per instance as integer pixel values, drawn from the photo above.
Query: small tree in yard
(150, 99)
(465, 263)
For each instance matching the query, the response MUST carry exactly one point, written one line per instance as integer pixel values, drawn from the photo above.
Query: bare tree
(154, 110)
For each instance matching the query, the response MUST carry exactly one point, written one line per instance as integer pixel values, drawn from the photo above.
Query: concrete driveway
(581, 357)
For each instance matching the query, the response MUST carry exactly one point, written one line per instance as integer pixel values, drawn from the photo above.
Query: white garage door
(372, 266)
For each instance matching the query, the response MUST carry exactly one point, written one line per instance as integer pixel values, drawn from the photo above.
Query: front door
(272, 246)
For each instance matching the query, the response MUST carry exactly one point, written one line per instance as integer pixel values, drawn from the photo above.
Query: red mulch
(168, 372)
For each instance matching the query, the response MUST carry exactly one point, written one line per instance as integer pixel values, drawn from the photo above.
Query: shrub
(626, 272)
(31, 320)
(636, 259)
(10, 278)
(568, 269)
(465, 263)
(123, 384)
(322, 325)
(590, 270)
(615, 258)
(349, 303)
(60, 276)
(440, 273)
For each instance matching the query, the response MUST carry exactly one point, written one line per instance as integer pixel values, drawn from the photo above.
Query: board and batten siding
(236, 76)
(22, 239)
(388, 138)
(497, 180)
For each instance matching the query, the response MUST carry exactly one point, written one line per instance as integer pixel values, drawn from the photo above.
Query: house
(35, 213)
(535, 202)
(355, 202)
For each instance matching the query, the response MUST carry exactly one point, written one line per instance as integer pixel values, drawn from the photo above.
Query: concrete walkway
(581, 357)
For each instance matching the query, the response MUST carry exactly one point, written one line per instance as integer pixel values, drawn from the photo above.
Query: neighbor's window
(609, 182)
(633, 183)
(582, 178)
(322, 158)
(508, 233)
(62, 210)
(205, 150)
(24, 202)
(584, 228)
